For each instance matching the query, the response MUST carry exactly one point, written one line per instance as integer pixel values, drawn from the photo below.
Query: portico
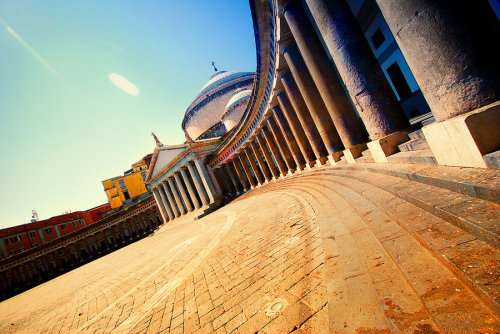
(180, 181)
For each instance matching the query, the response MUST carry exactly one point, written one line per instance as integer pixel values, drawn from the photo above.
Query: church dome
(204, 114)
(235, 107)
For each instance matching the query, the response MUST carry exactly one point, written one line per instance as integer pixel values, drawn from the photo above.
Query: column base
(386, 146)
(334, 157)
(321, 161)
(464, 140)
(354, 152)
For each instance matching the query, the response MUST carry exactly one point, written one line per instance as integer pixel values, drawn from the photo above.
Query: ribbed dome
(235, 107)
(209, 106)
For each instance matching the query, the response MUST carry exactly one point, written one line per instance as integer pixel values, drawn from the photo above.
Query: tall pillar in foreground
(198, 184)
(190, 189)
(170, 199)
(451, 49)
(281, 144)
(314, 103)
(274, 150)
(304, 116)
(289, 137)
(297, 130)
(243, 163)
(267, 155)
(256, 171)
(349, 126)
(263, 166)
(177, 197)
(370, 91)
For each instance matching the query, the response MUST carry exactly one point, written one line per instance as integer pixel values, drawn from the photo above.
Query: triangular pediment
(162, 157)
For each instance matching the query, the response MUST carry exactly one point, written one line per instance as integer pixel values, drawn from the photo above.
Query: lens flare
(121, 82)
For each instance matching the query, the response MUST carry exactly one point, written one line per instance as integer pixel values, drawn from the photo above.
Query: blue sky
(64, 127)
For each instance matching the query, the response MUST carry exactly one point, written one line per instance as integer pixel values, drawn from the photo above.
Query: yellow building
(122, 188)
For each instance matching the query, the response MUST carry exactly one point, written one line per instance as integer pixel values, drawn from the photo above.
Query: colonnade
(332, 99)
(38, 267)
(189, 188)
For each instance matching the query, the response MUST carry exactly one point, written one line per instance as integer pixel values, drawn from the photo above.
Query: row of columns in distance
(72, 254)
(187, 189)
(266, 157)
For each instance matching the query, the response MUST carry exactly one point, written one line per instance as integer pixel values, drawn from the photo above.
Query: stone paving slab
(308, 254)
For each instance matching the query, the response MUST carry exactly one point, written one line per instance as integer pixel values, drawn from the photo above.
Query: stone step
(475, 216)
(355, 254)
(424, 156)
(475, 182)
(417, 144)
(473, 261)
(424, 119)
(493, 160)
(418, 134)
(366, 157)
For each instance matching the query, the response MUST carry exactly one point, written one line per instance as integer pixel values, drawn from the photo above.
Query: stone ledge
(465, 139)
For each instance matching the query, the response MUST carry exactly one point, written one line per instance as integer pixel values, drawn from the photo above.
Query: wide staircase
(409, 247)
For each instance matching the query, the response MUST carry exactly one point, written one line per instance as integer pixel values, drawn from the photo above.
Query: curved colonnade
(320, 94)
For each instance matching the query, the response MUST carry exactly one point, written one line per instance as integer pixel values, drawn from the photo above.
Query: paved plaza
(315, 253)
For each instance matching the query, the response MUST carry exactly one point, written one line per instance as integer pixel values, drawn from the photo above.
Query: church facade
(339, 82)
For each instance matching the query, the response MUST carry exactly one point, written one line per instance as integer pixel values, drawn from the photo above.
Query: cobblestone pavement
(307, 254)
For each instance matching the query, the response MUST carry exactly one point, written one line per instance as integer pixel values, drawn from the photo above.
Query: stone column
(288, 137)
(267, 155)
(190, 189)
(183, 192)
(370, 91)
(122, 232)
(243, 163)
(208, 183)
(159, 201)
(313, 103)
(226, 179)
(198, 184)
(274, 150)
(166, 203)
(171, 200)
(256, 171)
(232, 177)
(296, 127)
(349, 126)
(451, 49)
(312, 133)
(240, 172)
(281, 144)
(263, 167)
(177, 197)
(221, 180)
